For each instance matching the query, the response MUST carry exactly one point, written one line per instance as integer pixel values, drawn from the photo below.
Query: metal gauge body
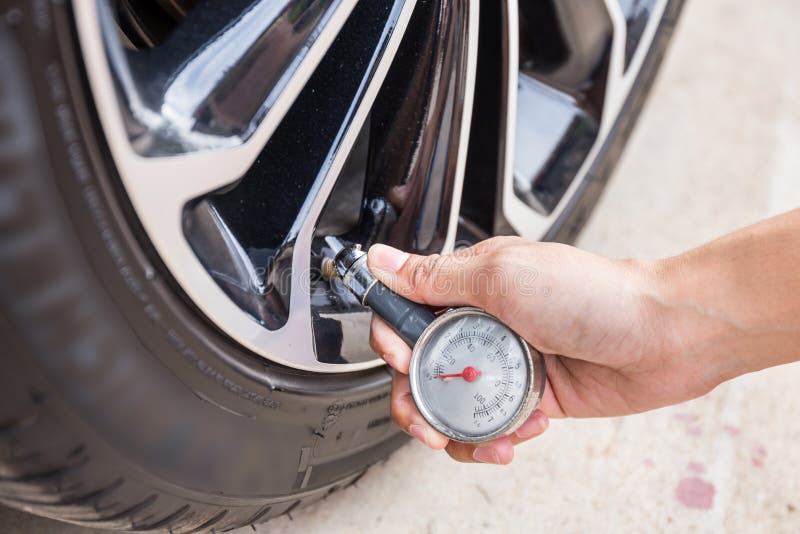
(473, 378)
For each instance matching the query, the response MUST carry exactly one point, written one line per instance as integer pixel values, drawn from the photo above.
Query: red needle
(469, 374)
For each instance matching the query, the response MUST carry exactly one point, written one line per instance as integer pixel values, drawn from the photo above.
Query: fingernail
(386, 258)
(534, 426)
(419, 432)
(486, 455)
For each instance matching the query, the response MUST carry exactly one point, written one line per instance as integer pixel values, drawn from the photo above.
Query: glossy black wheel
(170, 173)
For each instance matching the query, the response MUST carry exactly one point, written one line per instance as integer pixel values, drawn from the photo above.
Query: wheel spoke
(216, 76)
(563, 42)
(565, 101)
(553, 137)
(160, 187)
(289, 277)
(637, 14)
(412, 184)
(301, 236)
(200, 161)
(419, 171)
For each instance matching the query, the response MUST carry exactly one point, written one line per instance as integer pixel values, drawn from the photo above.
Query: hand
(593, 318)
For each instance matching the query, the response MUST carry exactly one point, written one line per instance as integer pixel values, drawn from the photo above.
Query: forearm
(733, 306)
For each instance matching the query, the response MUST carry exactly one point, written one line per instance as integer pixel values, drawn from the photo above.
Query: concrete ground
(718, 147)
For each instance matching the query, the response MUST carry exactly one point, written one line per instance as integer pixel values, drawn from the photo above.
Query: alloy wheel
(246, 132)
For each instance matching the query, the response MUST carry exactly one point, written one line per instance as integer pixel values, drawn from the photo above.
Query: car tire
(122, 406)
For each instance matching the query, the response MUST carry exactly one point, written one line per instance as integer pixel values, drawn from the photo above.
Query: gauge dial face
(472, 377)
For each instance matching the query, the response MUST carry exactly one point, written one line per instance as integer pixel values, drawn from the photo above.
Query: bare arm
(734, 304)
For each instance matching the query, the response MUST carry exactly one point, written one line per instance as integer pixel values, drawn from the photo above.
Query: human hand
(595, 319)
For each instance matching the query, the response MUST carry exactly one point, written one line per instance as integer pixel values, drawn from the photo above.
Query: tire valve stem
(328, 268)
(407, 318)
(328, 265)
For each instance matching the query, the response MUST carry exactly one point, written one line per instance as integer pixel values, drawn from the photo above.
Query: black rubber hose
(407, 318)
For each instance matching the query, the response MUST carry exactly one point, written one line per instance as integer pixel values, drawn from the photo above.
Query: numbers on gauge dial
(473, 377)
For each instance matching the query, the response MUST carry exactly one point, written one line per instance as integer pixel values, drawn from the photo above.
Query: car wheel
(170, 171)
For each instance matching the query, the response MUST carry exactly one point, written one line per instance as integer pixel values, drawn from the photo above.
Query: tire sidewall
(138, 363)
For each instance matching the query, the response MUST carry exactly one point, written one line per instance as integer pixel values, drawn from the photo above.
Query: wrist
(687, 330)
(649, 281)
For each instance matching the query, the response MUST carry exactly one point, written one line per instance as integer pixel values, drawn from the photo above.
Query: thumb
(437, 280)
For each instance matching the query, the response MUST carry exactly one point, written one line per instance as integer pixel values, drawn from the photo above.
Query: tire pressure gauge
(472, 378)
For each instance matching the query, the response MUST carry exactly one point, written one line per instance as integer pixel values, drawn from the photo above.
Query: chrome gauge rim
(531, 396)
(285, 116)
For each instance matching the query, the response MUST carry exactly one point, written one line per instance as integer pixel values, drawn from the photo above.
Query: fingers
(404, 411)
(386, 343)
(408, 418)
(535, 426)
(550, 403)
(440, 280)
(501, 450)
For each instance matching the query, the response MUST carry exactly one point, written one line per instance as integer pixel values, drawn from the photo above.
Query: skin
(619, 336)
